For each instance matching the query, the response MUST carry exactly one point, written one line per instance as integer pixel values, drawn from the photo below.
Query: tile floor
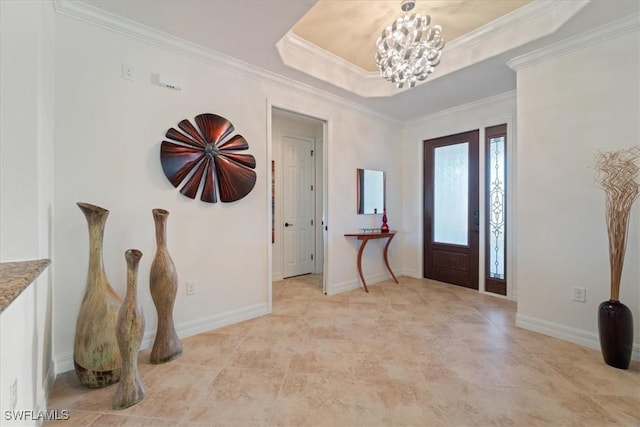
(418, 353)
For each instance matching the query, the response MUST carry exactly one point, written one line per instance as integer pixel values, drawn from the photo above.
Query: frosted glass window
(451, 194)
(496, 160)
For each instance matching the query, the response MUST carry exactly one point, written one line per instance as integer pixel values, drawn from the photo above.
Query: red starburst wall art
(205, 156)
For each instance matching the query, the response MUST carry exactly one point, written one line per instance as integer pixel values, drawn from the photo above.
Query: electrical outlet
(128, 72)
(191, 288)
(579, 294)
(13, 393)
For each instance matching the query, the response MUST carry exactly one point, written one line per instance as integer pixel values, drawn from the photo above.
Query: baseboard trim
(64, 361)
(219, 320)
(567, 333)
(350, 285)
(339, 288)
(414, 274)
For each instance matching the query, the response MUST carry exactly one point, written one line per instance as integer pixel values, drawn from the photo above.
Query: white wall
(108, 134)
(26, 195)
(366, 144)
(569, 108)
(478, 115)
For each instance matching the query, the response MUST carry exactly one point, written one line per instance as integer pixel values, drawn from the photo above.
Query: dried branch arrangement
(618, 173)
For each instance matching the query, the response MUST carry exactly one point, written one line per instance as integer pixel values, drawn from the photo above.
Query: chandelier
(409, 49)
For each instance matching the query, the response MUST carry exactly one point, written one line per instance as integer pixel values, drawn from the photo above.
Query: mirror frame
(360, 192)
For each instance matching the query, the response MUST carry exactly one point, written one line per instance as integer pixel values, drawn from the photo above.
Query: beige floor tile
(162, 386)
(279, 326)
(300, 292)
(389, 359)
(342, 297)
(624, 408)
(519, 407)
(239, 329)
(594, 376)
(238, 397)
(401, 297)
(325, 357)
(499, 367)
(417, 353)
(481, 336)
(375, 295)
(268, 353)
(327, 310)
(69, 393)
(371, 311)
(390, 402)
(128, 421)
(290, 307)
(314, 400)
(210, 349)
(332, 331)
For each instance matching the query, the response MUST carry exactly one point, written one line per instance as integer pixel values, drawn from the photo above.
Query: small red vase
(384, 228)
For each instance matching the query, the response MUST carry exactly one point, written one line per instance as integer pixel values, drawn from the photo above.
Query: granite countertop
(16, 276)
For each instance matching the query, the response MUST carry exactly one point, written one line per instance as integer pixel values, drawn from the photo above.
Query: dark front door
(451, 209)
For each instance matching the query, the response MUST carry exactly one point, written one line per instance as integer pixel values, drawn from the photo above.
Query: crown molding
(128, 28)
(509, 21)
(460, 108)
(588, 38)
(302, 55)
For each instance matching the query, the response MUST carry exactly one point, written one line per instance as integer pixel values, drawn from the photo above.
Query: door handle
(476, 217)
(286, 224)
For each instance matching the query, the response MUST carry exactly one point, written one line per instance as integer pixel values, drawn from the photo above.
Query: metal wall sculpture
(200, 153)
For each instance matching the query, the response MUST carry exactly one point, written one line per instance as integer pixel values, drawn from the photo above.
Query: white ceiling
(249, 30)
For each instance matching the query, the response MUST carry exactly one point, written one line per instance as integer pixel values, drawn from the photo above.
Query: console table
(365, 237)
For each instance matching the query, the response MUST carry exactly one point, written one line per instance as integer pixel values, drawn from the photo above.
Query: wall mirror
(370, 191)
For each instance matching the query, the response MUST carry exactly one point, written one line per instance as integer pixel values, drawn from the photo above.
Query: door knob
(286, 224)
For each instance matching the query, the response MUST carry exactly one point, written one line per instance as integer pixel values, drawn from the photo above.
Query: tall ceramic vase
(95, 351)
(130, 330)
(163, 283)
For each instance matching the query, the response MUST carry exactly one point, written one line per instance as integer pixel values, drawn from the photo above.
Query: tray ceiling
(349, 29)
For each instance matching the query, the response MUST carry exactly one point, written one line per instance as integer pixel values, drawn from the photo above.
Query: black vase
(615, 325)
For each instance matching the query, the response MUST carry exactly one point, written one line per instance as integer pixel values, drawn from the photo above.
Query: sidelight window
(496, 208)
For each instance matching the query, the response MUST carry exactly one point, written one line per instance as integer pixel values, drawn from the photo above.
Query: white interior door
(298, 206)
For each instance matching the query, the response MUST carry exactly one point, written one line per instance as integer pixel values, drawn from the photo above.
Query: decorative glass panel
(451, 194)
(496, 165)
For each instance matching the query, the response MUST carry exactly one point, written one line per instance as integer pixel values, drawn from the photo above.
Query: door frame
(311, 201)
(512, 232)
(326, 212)
(474, 230)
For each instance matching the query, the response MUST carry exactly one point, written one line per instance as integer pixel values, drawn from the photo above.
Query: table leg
(386, 261)
(360, 251)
